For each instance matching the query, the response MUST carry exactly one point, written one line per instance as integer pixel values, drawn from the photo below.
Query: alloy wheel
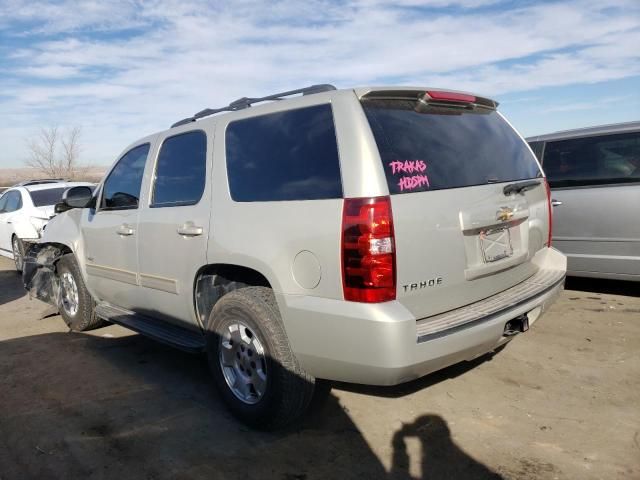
(69, 294)
(243, 362)
(18, 258)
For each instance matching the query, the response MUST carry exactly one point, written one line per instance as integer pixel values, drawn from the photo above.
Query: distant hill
(11, 176)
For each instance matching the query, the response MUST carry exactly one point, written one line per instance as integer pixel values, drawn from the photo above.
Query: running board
(178, 337)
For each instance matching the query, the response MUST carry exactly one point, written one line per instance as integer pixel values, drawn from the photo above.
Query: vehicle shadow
(600, 285)
(421, 383)
(85, 406)
(11, 287)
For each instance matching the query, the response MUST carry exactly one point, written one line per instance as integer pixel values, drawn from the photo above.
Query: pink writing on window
(408, 166)
(411, 183)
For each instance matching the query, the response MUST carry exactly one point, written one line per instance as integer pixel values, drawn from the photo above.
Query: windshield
(445, 147)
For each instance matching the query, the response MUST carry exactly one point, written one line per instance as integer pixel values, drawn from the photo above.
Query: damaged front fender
(39, 272)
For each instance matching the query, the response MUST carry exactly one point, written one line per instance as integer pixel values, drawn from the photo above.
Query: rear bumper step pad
(535, 286)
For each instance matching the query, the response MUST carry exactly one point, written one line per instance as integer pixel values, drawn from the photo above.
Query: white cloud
(50, 71)
(69, 16)
(123, 69)
(588, 104)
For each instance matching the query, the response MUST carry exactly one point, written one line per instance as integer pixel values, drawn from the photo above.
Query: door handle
(125, 230)
(555, 203)
(190, 230)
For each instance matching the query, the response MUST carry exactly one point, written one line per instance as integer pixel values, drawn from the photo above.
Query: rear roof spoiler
(432, 96)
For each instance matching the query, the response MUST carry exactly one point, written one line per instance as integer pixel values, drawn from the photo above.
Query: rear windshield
(50, 196)
(446, 148)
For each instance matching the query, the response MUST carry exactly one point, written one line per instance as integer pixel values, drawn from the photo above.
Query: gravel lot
(561, 401)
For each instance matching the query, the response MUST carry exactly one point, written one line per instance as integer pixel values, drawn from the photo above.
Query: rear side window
(50, 196)
(122, 187)
(290, 155)
(181, 170)
(606, 159)
(446, 147)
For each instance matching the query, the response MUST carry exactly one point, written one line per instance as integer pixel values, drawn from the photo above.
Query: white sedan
(24, 211)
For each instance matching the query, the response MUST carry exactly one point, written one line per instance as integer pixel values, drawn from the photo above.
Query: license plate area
(495, 244)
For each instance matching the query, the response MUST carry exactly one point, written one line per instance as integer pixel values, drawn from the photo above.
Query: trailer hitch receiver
(517, 325)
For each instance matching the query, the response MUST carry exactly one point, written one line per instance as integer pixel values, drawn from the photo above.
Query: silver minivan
(367, 235)
(594, 174)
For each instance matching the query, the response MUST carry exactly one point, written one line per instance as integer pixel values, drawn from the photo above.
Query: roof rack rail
(39, 181)
(245, 102)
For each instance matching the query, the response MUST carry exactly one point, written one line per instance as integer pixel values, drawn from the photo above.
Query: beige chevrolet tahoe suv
(368, 235)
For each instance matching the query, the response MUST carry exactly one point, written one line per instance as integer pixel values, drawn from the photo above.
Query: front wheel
(252, 363)
(75, 304)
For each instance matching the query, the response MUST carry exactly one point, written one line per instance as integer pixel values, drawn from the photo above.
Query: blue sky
(123, 69)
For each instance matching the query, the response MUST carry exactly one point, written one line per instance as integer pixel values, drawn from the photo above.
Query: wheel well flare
(215, 281)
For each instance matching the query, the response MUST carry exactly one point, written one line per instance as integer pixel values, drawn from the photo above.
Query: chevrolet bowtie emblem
(504, 214)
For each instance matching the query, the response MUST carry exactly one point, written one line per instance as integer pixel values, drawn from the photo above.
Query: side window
(605, 159)
(3, 203)
(181, 170)
(122, 187)
(290, 155)
(14, 201)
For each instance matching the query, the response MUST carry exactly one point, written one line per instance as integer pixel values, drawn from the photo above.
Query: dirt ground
(560, 402)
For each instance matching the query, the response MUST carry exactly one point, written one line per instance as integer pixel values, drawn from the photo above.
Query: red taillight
(368, 250)
(451, 96)
(550, 211)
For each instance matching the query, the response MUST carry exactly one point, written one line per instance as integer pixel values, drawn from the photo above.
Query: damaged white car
(25, 209)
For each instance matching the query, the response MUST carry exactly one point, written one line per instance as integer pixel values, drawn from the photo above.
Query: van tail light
(550, 211)
(368, 250)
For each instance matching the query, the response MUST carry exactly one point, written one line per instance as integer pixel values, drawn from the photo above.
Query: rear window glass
(606, 159)
(50, 196)
(290, 155)
(447, 148)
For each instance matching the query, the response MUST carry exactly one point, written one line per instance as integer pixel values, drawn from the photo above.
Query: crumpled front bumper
(39, 272)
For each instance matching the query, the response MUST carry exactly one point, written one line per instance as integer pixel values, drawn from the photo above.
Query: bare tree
(55, 153)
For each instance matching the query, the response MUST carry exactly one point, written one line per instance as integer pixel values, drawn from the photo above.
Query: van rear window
(446, 147)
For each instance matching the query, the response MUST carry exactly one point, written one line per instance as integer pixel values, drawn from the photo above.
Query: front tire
(252, 363)
(75, 304)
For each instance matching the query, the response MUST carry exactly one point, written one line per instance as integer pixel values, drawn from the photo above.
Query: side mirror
(77, 197)
(60, 207)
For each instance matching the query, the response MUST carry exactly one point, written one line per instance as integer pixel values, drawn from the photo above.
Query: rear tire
(252, 363)
(75, 304)
(17, 247)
